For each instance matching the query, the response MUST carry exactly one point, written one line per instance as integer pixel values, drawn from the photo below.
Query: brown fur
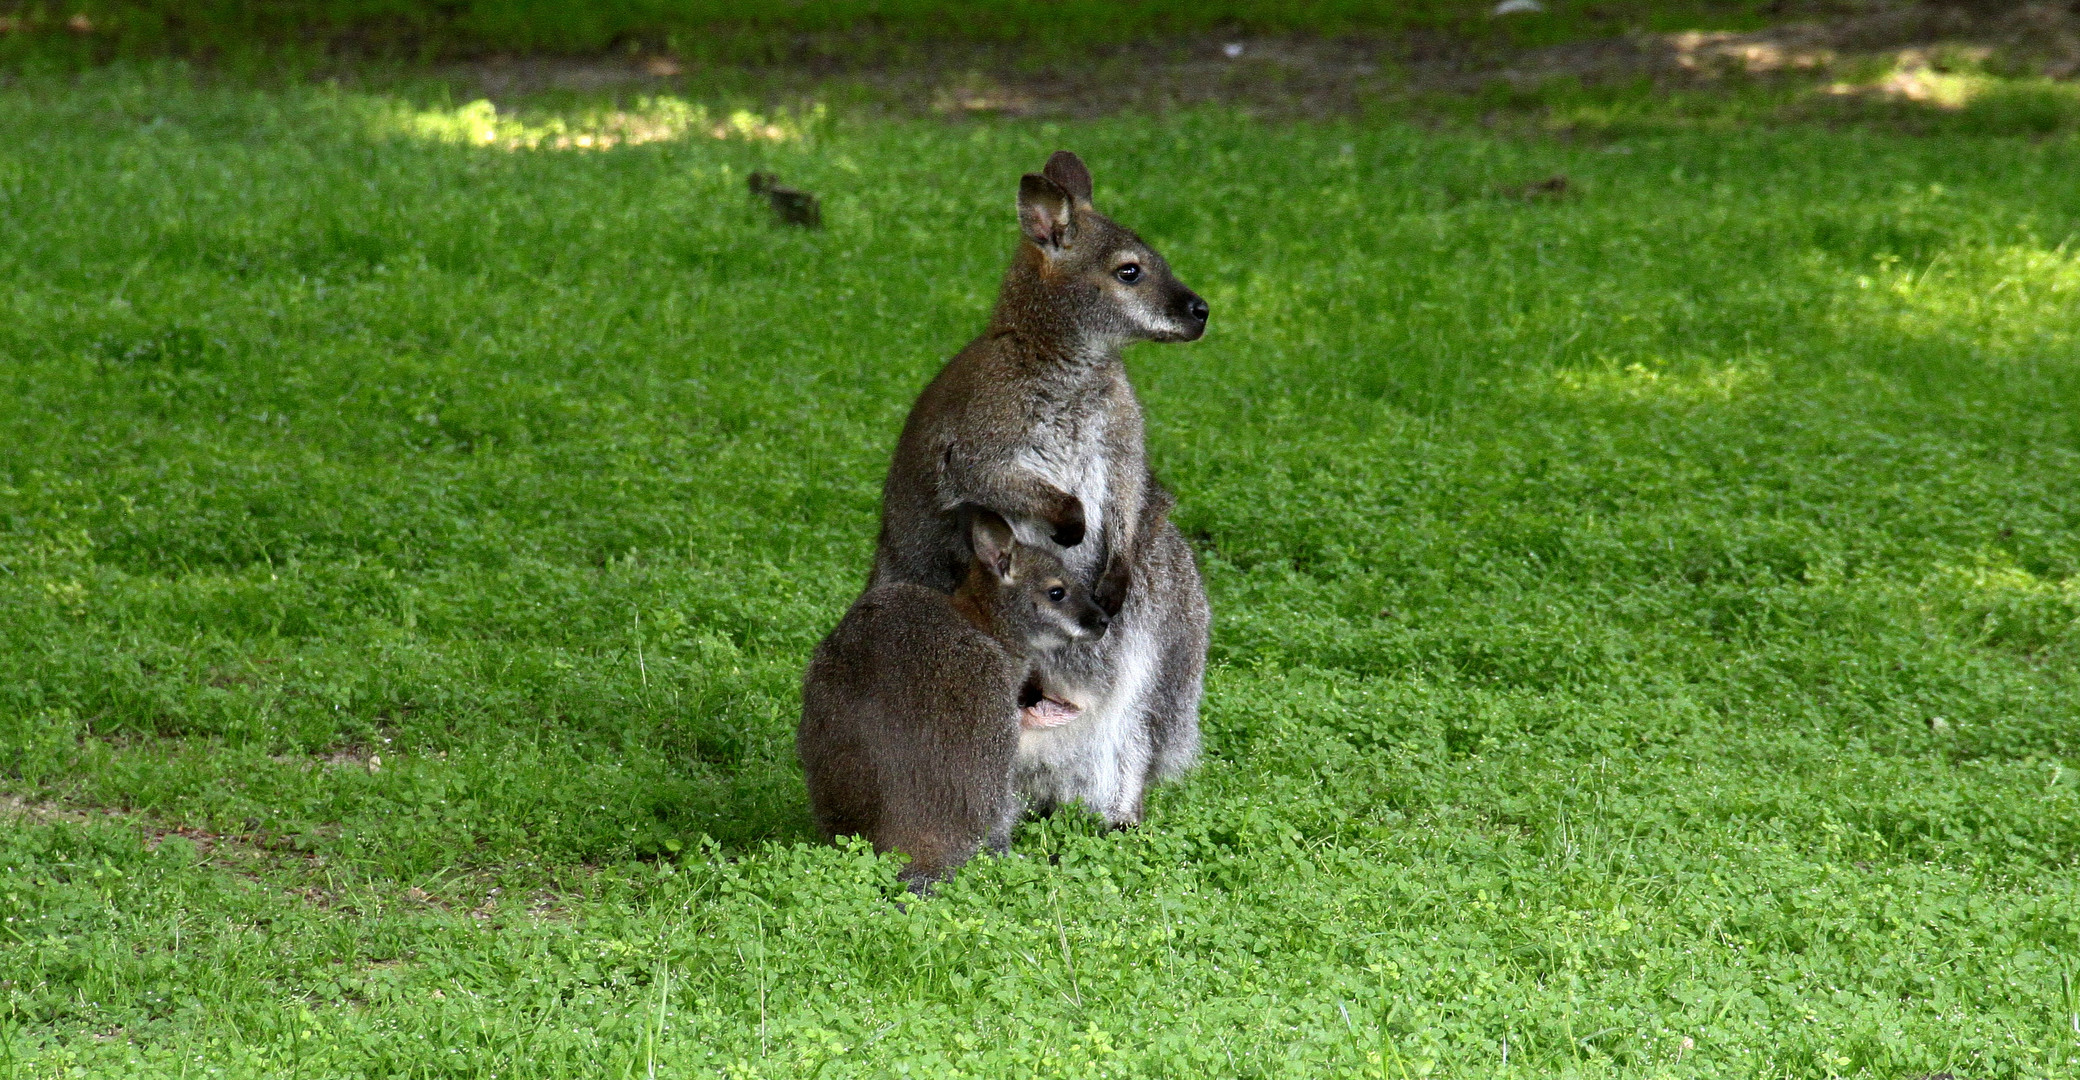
(1046, 371)
(1031, 420)
(909, 722)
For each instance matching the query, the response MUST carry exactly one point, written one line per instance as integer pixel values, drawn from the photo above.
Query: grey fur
(1036, 421)
(910, 725)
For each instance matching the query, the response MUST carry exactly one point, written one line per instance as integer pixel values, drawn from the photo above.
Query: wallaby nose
(1198, 309)
(1094, 621)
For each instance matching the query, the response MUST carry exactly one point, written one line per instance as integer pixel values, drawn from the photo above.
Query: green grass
(409, 548)
(831, 31)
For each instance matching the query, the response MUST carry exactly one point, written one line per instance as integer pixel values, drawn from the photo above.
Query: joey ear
(1068, 170)
(991, 537)
(1046, 213)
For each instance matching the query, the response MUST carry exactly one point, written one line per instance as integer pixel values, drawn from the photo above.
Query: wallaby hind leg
(1173, 716)
(934, 856)
(999, 841)
(844, 791)
(1173, 701)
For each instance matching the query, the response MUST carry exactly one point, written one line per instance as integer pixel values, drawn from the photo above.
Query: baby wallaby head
(1078, 265)
(1028, 597)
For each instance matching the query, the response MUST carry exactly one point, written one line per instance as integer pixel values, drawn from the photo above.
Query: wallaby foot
(921, 885)
(998, 842)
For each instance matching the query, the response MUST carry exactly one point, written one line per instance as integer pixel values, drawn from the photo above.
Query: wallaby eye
(1129, 273)
(1057, 593)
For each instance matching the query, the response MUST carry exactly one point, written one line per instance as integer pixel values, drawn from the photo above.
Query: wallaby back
(909, 727)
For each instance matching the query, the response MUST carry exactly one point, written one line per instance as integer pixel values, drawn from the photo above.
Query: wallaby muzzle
(1188, 310)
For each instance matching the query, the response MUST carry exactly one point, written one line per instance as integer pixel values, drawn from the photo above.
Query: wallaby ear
(1068, 170)
(1046, 213)
(991, 538)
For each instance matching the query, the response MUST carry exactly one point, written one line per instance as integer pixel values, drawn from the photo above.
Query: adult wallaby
(1036, 421)
(910, 717)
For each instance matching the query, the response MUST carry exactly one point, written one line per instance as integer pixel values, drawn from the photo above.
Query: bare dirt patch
(239, 852)
(1301, 76)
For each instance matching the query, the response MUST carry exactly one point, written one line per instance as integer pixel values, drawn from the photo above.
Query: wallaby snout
(1081, 617)
(1188, 312)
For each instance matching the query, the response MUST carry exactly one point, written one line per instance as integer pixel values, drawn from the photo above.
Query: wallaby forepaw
(1068, 524)
(1111, 593)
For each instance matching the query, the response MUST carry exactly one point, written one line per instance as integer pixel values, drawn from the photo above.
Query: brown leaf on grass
(1552, 187)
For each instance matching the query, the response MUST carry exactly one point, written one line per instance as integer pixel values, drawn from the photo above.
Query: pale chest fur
(1071, 452)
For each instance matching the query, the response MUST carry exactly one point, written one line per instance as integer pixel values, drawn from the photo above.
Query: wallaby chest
(1071, 450)
(1081, 435)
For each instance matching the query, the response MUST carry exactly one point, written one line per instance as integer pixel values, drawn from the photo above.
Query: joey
(910, 708)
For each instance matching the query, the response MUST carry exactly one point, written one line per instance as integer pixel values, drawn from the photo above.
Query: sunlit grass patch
(1949, 80)
(2015, 300)
(649, 119)
(1953, 89)
(1731, 82)
(2001, 604)
(1683, 382)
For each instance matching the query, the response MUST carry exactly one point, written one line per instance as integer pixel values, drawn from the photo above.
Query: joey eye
(1130, 273)
(1057, 593)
